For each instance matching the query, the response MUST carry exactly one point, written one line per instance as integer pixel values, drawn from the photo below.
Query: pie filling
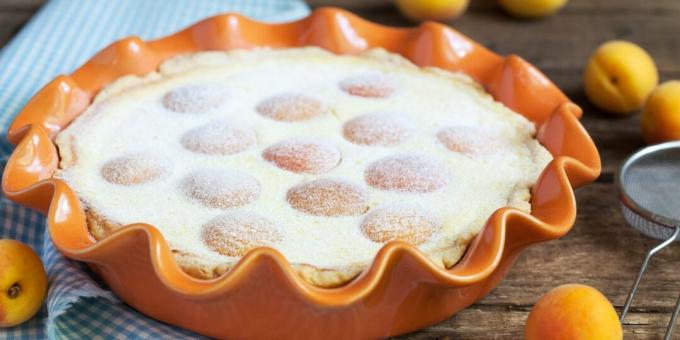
(322, 157)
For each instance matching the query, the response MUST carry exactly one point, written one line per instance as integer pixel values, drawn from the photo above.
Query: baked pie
(322, 157)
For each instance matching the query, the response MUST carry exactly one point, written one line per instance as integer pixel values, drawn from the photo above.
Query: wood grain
(18, 5)
(602, 250)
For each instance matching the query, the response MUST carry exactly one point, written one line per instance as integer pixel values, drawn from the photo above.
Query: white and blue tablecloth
(61, 36)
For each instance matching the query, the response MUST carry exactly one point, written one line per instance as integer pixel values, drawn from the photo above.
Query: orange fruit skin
(661, 117)
(573, 312)
(619, 77)
(439, 10)
(20, 267)
(532, 9)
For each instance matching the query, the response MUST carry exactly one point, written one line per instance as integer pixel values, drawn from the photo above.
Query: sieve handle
(671, 323)
(633, 290)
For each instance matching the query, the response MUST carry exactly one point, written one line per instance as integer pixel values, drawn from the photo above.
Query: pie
(323, 157)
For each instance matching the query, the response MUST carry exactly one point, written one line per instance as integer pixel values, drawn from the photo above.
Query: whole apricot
(573, 312)
(440, 10)
(619, 77)
(23, 283)
(532, 9)
(661, 116)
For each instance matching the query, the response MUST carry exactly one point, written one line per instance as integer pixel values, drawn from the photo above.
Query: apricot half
(574, 312)
(23, 283)
(619, 77)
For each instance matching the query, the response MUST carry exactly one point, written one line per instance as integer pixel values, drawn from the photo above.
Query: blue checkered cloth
(77, 306)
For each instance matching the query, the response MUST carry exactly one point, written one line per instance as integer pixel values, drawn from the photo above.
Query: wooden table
(601, 250)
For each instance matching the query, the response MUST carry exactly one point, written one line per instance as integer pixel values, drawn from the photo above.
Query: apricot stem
(14, 291)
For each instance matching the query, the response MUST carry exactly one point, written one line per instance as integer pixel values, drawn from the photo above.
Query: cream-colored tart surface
(322, 157)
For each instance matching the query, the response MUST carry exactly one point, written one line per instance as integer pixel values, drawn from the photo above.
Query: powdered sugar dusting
(234, 234)
(379, 128)
(303, 155)
(290, 107)
(407, 223)
(468, 140)
(368, 86)
(195, 98)
(133, 169)
(283, 140)
(219, 138)
(329, 197)
(221, 189)
(414, 173)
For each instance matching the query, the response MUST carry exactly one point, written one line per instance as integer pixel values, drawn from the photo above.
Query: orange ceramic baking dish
(262, 297)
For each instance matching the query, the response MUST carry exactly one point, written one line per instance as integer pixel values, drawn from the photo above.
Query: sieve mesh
(650, 186)
(645, 226)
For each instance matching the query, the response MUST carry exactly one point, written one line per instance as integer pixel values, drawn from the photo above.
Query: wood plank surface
(602, 250)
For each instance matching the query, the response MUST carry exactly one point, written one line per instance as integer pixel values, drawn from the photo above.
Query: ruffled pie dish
(262, 296)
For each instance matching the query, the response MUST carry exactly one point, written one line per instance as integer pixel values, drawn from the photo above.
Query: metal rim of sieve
(630, 202)
(654, 225)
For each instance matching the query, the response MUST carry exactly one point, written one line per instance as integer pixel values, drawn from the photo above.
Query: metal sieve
(649, 190)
